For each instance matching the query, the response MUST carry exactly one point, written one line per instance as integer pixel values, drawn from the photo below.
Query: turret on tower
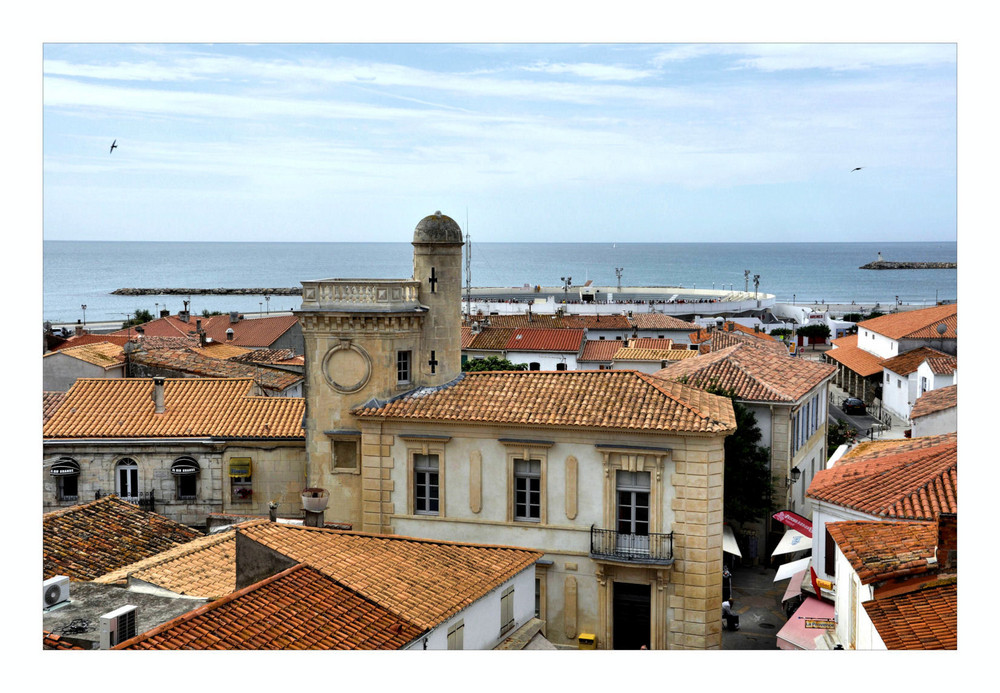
(437, 265)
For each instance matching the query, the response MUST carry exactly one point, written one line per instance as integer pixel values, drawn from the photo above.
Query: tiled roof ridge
(399, 537)
(183, 550)
(696, 365)
(658, 384)
(103, 500)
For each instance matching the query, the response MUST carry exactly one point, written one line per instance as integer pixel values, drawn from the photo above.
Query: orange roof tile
(916, 324)
(283, 357)
(104, 354)
(908, 482)
(615, 399)
(222, 350)
(599, 350)
(703, 334)
(204, 567)
(893, 446)
(855, 358)
(297, 609)
(490, 339)
(881, 551)
(925, 619)
(656, 355)
(651, 343)
(518, 320)
(595, 322)
(534, 339)
(659, 321)
(254, 332)
(752, 374)
(191, 361)
(80, 340)
(195, 407)
(909, 361)
(51, 401)
(935, 401)
(423, 580)
(51, 641)
(86, 541)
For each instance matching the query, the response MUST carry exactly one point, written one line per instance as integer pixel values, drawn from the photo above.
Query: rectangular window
(68, 487)
(456, 636)
(403, 367)
(507, 610)
(425, 484)
(899, 383)
(923, 385)
(528, 490)
(632, 489)
(345, 455)
(535, 366)
(560, 366)
(830, 555)
(538, 597)
(240, 481)
(187, 486)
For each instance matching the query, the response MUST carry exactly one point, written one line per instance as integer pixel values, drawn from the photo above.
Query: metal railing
(144, 500)
(638, 548)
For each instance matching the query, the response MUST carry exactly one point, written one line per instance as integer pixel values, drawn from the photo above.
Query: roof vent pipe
(159, 405)
(234, 316)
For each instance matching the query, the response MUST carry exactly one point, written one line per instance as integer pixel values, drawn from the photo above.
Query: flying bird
(857, 169)
(113, 145)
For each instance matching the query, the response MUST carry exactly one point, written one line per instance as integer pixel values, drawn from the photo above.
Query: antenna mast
(468, 268)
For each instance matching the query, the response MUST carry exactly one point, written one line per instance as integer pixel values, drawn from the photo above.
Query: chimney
(184, 315)
(79, 331)
(314, 502)
(197, 325)
(272, 511)
(947, 543)
(234, 316)
(158, 399)
(164, 312)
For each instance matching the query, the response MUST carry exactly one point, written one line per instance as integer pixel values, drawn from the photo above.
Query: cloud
(596, 71)
(775, 57)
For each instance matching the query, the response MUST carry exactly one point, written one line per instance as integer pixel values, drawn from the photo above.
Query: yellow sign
(821, 623)
(239, 466)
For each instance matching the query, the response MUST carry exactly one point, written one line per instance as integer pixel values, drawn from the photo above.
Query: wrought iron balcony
(608, 544)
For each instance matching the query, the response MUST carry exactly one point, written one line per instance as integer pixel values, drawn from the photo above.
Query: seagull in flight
(113, 145)
(857, 169)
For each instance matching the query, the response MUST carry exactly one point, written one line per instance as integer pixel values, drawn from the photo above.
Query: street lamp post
(84, 306)
(267, 299)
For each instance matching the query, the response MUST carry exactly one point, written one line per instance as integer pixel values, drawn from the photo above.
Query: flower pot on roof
(315, 499)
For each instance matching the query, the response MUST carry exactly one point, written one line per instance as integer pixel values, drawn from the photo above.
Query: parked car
(853, 405)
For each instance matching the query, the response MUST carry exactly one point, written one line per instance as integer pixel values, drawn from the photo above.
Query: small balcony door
(127, 480)
(632, 490)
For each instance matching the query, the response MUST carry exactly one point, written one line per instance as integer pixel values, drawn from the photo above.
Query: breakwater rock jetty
(889, 265)
(280, 291)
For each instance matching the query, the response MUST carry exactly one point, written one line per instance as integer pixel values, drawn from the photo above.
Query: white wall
(934, 380)
(850, 613)
(877, 344)
(945, 421)
(899, 392)
(482, 617)
(60, 371)
(548, 360)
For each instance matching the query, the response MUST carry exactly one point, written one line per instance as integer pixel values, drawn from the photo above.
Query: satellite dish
(942, 328)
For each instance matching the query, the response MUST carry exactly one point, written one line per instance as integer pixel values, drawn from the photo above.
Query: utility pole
(567, 282)
(756, 284)
(618, 271)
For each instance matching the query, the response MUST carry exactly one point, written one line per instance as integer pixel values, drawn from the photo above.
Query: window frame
(240, 485)
(418, 445)
(404, 367)
(426, 465)
(131, 465)
(345, 439)
(530, 473)
(623, 458)
(527, 450)
(185, 479)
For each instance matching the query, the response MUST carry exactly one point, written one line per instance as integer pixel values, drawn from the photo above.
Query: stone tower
(375, 339)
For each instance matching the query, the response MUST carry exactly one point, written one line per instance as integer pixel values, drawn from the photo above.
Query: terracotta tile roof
(204, 567)
(595, 322)
(599, 350)
(925, 619)
(935, 401)
(86, 541)
(943, 365)
(881, 551)
(752, 374)
(297, 609)
(651, 343)
(659, 321)
(519, 320)
(909, 361)
(916, 324)
(534, 339)
(855, 358)
(489, 339)
(892, 446)
(615, 399)
(104, 354)
(191, 362)
(657, 355)
(423, 580)
(221, 350)
(724, 340)
(80, 340)
(51, 641)
(195, 407)
(915, 482)
(51, 401)
(276, 356)
(145, 342)
(255, 332)
(557, 322)
(703, 335)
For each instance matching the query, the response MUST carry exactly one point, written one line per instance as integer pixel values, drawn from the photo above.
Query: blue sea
(77, 273)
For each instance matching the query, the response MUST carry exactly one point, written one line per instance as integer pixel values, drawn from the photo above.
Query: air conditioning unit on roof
(118, 626)
(55, 591)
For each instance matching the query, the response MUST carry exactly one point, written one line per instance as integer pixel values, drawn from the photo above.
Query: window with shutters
(456, 636)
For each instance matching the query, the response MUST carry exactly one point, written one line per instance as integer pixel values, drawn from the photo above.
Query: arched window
(66, 471)
(185, 471)
(127, 479)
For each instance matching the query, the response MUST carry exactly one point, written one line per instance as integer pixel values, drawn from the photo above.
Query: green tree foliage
(838, 434)
(209, 313)
(140, 316)
(814, 331)
(747, 475)
(780, 332)
(492, 363)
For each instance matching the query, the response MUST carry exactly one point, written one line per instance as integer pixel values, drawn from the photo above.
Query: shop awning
(239, 466)
(184, 466)
(787, 570)
(729, 541)
(793, 541)
(794, 588)
(65, 467)
(806, 625)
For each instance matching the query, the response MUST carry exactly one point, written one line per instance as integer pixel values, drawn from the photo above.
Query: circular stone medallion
(347, 367)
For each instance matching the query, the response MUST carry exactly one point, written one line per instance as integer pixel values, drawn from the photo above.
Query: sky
(569, 142)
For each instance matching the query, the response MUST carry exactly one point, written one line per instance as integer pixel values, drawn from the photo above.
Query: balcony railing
(631, 548)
